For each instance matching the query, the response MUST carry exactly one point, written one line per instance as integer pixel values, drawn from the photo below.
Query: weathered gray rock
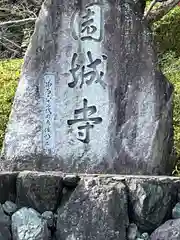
(41, 191)
(97, 209)
(145, 236)
(132, 231)
(8, 186)
(5, 223)
(91, 97)
(66, 195)
(71, 181)
(5, 233)
(150, 201)
(27, 224)
(49, 218)
(170, 230)
(4, 219)
(176, 211)
(9, 207)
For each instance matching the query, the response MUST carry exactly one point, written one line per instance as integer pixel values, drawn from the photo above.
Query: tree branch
(13, 43)
(10, 49)
(160, 11)
(150, 8)
(26, 20)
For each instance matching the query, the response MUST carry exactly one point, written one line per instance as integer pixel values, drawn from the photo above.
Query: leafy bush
(9, 76)
(166, 36)
(167, 33)
(171, 68)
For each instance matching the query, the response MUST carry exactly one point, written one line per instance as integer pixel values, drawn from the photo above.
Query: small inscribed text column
(48, 113)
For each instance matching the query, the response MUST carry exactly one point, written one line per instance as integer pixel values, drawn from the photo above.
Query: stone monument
(91, 98)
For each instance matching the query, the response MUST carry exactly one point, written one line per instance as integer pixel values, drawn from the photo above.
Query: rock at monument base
(5, 233)
(150, 202)
(9, 207)
(27, 224)
(97, 209)
(91, 98)
(49, 218)
(70, 181)
(8, 186)
(41, 191)
(170, 230)
(176, 211)
(5, 223)
(4, 219)
(132, 232)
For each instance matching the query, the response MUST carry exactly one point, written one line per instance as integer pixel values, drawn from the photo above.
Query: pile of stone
(53, 205)
(25, 223)
(169, 230)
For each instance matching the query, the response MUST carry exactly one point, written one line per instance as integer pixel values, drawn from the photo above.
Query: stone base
(102, 207)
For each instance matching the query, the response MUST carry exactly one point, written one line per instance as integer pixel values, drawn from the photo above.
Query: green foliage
(167, 33)
(166, 37)
(171, 68)
(9, 76)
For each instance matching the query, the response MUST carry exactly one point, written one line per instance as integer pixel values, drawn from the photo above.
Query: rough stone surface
(97, 209)
(176, 211)
(132, 231)
(5, 232)
(145, 236)
(170, 230)
(8, 186)
(41, 191)
(9, 207)
(27, 224)
(150, 202)
(91, 98)
(49, 218)
(5, 223)
(71, 181)
(4, 219)
(66, 195)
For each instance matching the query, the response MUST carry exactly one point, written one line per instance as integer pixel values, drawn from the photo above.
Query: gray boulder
(97, 209)
(41, 191)
(71, 181)
(150, 201)
(27, 224)
(5, 232)
(5, 223)
(91, 98)
(49, 218)
(170, 230)
(132, 232)
(145, 236)
(9, 207)
(5, 220)
(8, 186)
(176, 211)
